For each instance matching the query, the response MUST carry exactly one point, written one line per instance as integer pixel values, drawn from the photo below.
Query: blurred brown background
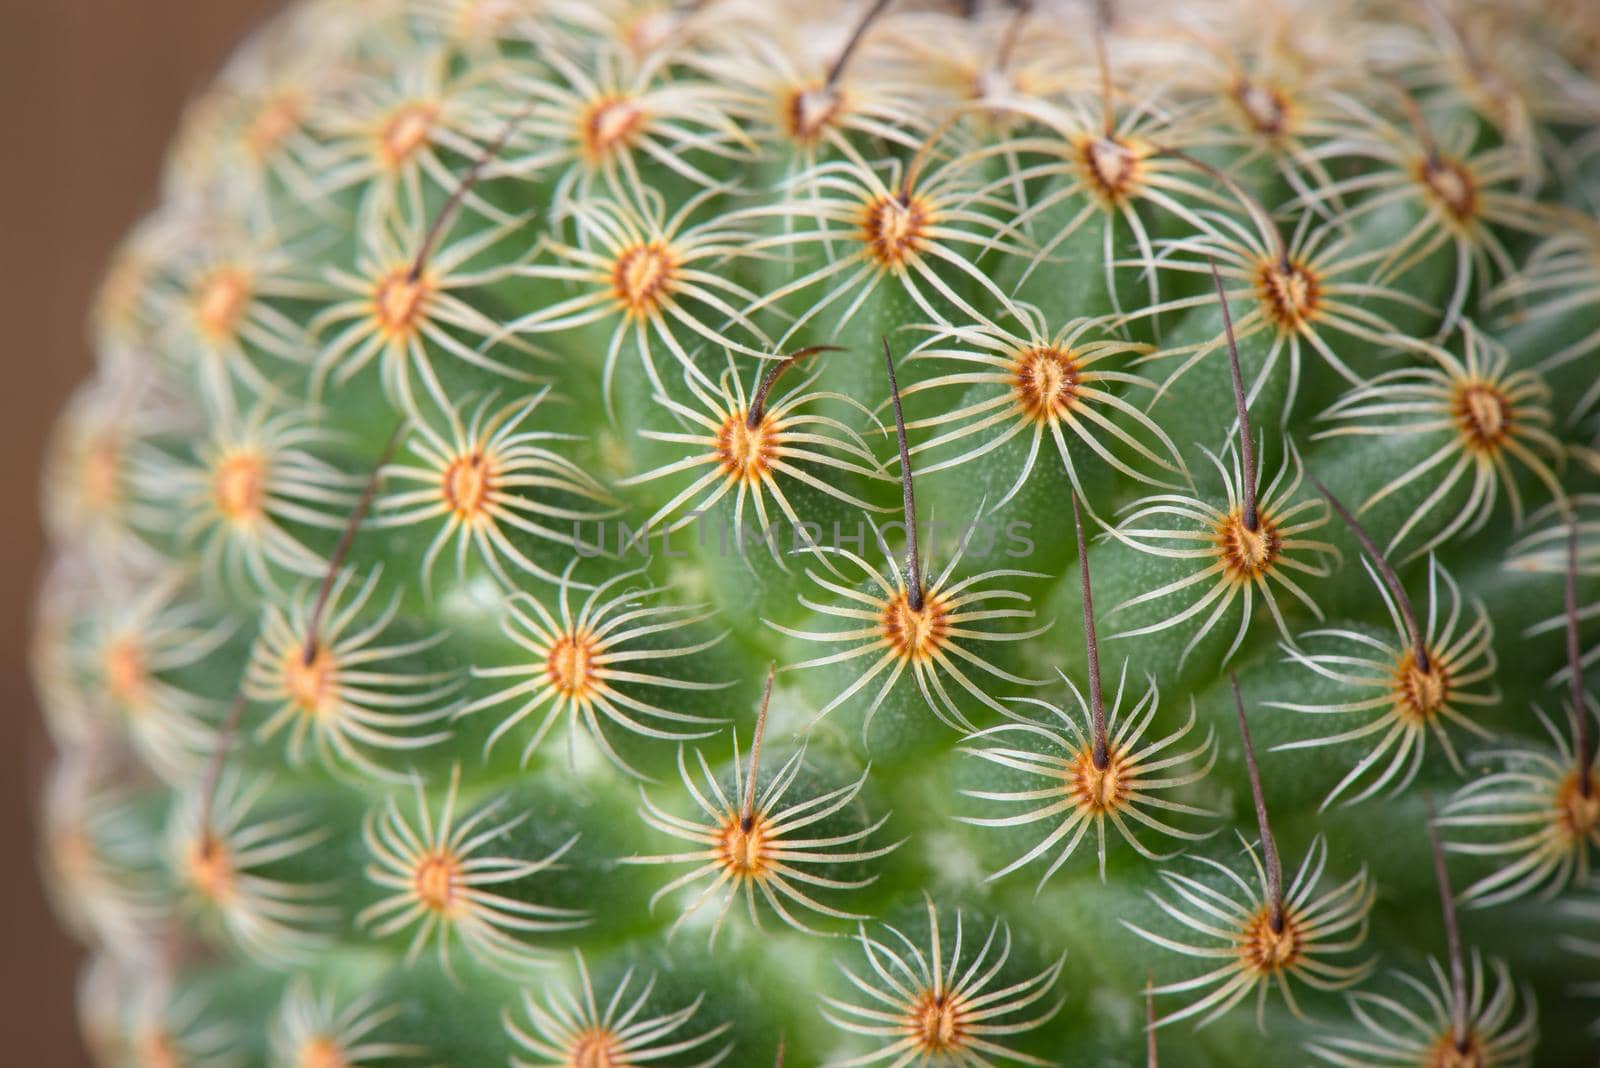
(91, 91)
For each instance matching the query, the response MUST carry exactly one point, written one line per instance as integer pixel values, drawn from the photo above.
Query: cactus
(617, 532)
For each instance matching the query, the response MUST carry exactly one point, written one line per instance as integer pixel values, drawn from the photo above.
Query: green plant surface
(627, 532)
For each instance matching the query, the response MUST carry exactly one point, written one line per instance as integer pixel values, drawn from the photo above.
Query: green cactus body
(483, 628)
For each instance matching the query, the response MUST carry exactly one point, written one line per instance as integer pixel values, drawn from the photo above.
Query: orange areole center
(810, 110)
(571, 665)
(239, 486)
(468, 481)
(102, 473)
(1266, 108)
(1484, 415)
(399, 302)
(1451, 186)
(210, 869)
(1045, 382)
(1100, 789)
(1267, 950)
(1446, 1052)
(157, 1049)
(405, 132)
(1291, 293)
(1420, 695)
(127, 672)
(895, 231)
(643, 276)
(1247, 554)
(744, 847)
(610, 125)
(1577, 811)
(279, 116)
(220, 302)
(747, 454)
(915, 634)
(1112, 168)
(938, 1022)
(312, 685)
(438, 883)
(321, 1051)
(597, 1048)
